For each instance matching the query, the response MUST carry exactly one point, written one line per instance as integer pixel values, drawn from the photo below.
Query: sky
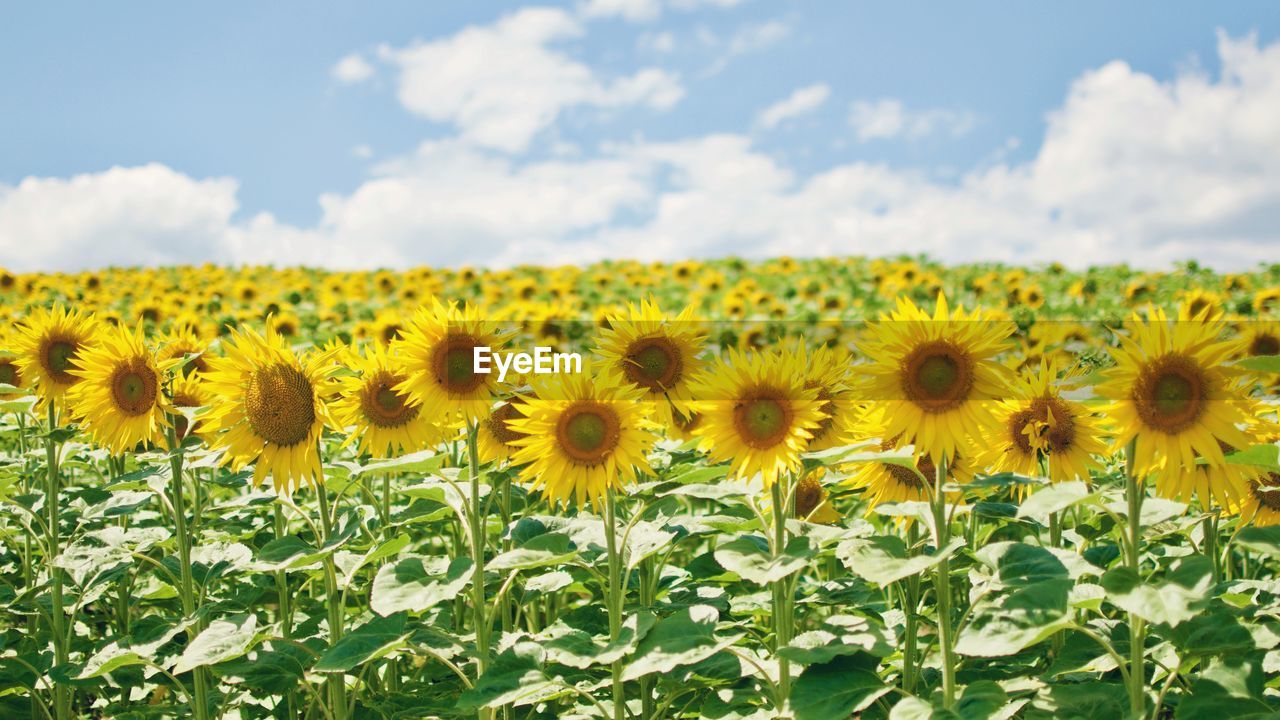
(393, 134)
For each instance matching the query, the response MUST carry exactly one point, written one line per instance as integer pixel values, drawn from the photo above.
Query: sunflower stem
(1137, 665)
(337, 683)
(910, 604)
(615, 601)
(284, 609)
(61, 693)
(942, 584)
(479, 531)
(781, 593)
(186, 591)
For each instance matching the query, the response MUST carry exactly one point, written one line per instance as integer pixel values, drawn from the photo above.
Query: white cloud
(362, 151)
(633, 10)
(800, 102)
(1131, 169)
(352, 69)
(502, 84)
(888, 118)
(747, 39)
(661, 42)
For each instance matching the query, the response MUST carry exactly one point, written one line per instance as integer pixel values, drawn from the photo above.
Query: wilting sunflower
(437, 349)
(756, 413)
(656, 355)
(1041, 426)
(888, 482)
(495, 436)
(933, 381)
(47, 343)
(268, 408)
(1261, 502)
(189, 392)
(1172, 390)
(374, 412)
(118, 398)
(581, 436)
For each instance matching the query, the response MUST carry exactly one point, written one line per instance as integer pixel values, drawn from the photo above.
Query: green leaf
(287, 553)
(749, 557)
(1031, 603)
(580, 649)
(1054, 498)
(514, 679)
(836, 689)
(423, 461)
(370, 641)
(541, 551)
(682, 638)
(1230, 687)
(1266, 456)
(1176, 598)
(1262, 540)
(382, 550)
(1261, 363)
(225, 639)
(416, 584)
(839, 635)
(883, 559)
(137, 651)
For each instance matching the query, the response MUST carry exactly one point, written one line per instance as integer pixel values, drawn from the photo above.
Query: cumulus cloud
(633, 10)
(888, 118)
(800, 102)
(1130, 169)
(502, 84)
(352, 69)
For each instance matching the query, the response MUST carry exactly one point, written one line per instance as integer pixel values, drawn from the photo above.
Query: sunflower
(118, 398)
(495, 437)
(47, 343)
(658, 356)
(581, 436)
(268, 408)
(756, 413)
(181, 342)
(437, 351)
(933, 380)
(1259, 338)
(826, 371)
(811, 501)
(1172, 391)
(371, 409)
(1041, 426)
(1195, 302)
(9, 372)
(1261, 503)
(886, 482)
(187, 391)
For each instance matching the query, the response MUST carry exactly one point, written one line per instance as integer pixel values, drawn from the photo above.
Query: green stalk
(910, 606)
(782, 595)
(1137, 664)
(186, 590)
(647, 596)
(479, 531)
(615, 601)
(61, 694)
(337, 684)
(284, 603)
(942, 585)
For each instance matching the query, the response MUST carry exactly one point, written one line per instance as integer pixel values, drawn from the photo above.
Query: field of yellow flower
(809, 489)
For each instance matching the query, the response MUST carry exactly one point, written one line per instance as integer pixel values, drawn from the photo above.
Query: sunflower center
(8, 372)
(588, 433)
(653, 363)
(280, 404)
(56, 356)
(1265, 345)
(763, 420)
(937, 376)
(1047, 424)
(1170, 393)
(382, 405)
(808, 496)
(391, 332)
(498, 426)
(454, 364)
(134, 387)
(828, 419)
(1267, 490)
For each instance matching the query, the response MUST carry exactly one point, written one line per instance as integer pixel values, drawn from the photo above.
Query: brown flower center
(1170, 394)
(56, 354)
(9, 373)
(1045, 424)
(498, 427)
(381, 405)
(763, 418)
(1265, 344)
(134, 386)
(1267, 490)
(280, 404)
(808, 496)
(453, 364)
(937, 376)
(653, 363)
(588, 432)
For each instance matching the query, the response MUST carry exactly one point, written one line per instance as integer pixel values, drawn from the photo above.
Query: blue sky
(227, 124)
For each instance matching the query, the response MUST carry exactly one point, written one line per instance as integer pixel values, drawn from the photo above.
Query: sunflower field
(809, 489)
